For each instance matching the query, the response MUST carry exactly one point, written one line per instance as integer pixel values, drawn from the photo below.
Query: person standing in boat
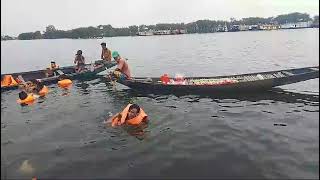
(79, 61)
(105, 53)
(122, 71)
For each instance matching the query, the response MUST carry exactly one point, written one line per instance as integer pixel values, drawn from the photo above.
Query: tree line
(200, 26)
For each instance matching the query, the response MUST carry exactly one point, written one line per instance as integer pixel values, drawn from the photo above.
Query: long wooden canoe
(67, 70)
(225, 84)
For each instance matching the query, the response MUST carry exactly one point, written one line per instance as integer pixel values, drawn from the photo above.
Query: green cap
(115, 54)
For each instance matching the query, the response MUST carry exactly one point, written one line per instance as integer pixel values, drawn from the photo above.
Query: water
(189, 136)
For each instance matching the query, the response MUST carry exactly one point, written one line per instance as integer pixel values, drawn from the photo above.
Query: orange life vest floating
(8, 80)
(134, 121)
(66, 83)
(28, 100)
(44, 91)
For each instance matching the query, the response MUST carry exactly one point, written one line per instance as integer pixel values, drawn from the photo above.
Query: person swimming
(132, 114)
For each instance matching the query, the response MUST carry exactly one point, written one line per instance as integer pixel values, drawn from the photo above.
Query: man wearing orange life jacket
(8, 80)
(26, 99)
(131, 115)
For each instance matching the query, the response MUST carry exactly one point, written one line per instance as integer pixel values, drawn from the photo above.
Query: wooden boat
(225, 84)
(91, 71)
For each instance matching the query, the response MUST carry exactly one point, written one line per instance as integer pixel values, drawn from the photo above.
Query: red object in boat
(165, 79)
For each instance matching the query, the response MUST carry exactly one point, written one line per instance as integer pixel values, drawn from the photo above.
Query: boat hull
(68, 70)
(245, 82)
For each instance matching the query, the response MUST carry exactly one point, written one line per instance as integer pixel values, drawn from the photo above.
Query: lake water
(189, 136)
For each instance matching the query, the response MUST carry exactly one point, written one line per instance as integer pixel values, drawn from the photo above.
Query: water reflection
(83, 86)
(137, 131)
(276, 94)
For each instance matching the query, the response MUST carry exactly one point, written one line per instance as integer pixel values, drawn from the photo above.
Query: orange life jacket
(134, 121)
(8, 80)
(44, 91)
(65, 83)
(29, 100)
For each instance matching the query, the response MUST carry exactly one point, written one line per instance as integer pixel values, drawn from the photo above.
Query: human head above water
(133, 112)
(23, 95)
(39, 85)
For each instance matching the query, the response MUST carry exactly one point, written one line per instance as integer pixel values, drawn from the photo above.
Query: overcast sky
(19, 16)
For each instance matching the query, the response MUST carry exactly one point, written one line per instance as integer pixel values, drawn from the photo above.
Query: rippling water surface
(189, 136)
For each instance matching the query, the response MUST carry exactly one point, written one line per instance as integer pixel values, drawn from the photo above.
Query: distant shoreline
(172, 34)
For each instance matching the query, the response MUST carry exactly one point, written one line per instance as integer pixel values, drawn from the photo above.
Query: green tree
(30, 35)
(315, 22)
(133, 30)
(292, 18)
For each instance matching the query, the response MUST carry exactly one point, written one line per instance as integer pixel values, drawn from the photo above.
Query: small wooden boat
(225, 84)
(91, 71)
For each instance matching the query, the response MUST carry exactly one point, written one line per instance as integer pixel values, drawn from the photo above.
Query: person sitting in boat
(53, 66)
(49, 72)
(132, 114)
(122, 66)
(79, 61)
(105, 53)
(8, 80)
(52, 69)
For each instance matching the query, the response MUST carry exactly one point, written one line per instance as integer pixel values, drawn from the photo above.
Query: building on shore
(145, 32)
(254, 28)
(243, 27)
(234, 28)
(162, 32)
(179, 31)
(269, 27)
(151, 32)
(296, 25)
(221, 28)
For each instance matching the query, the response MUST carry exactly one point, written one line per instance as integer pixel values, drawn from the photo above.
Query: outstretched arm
(116, 122)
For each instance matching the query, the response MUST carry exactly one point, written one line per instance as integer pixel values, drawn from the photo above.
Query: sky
(18, 16)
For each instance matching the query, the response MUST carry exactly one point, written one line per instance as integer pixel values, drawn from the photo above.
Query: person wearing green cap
(122, 67)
